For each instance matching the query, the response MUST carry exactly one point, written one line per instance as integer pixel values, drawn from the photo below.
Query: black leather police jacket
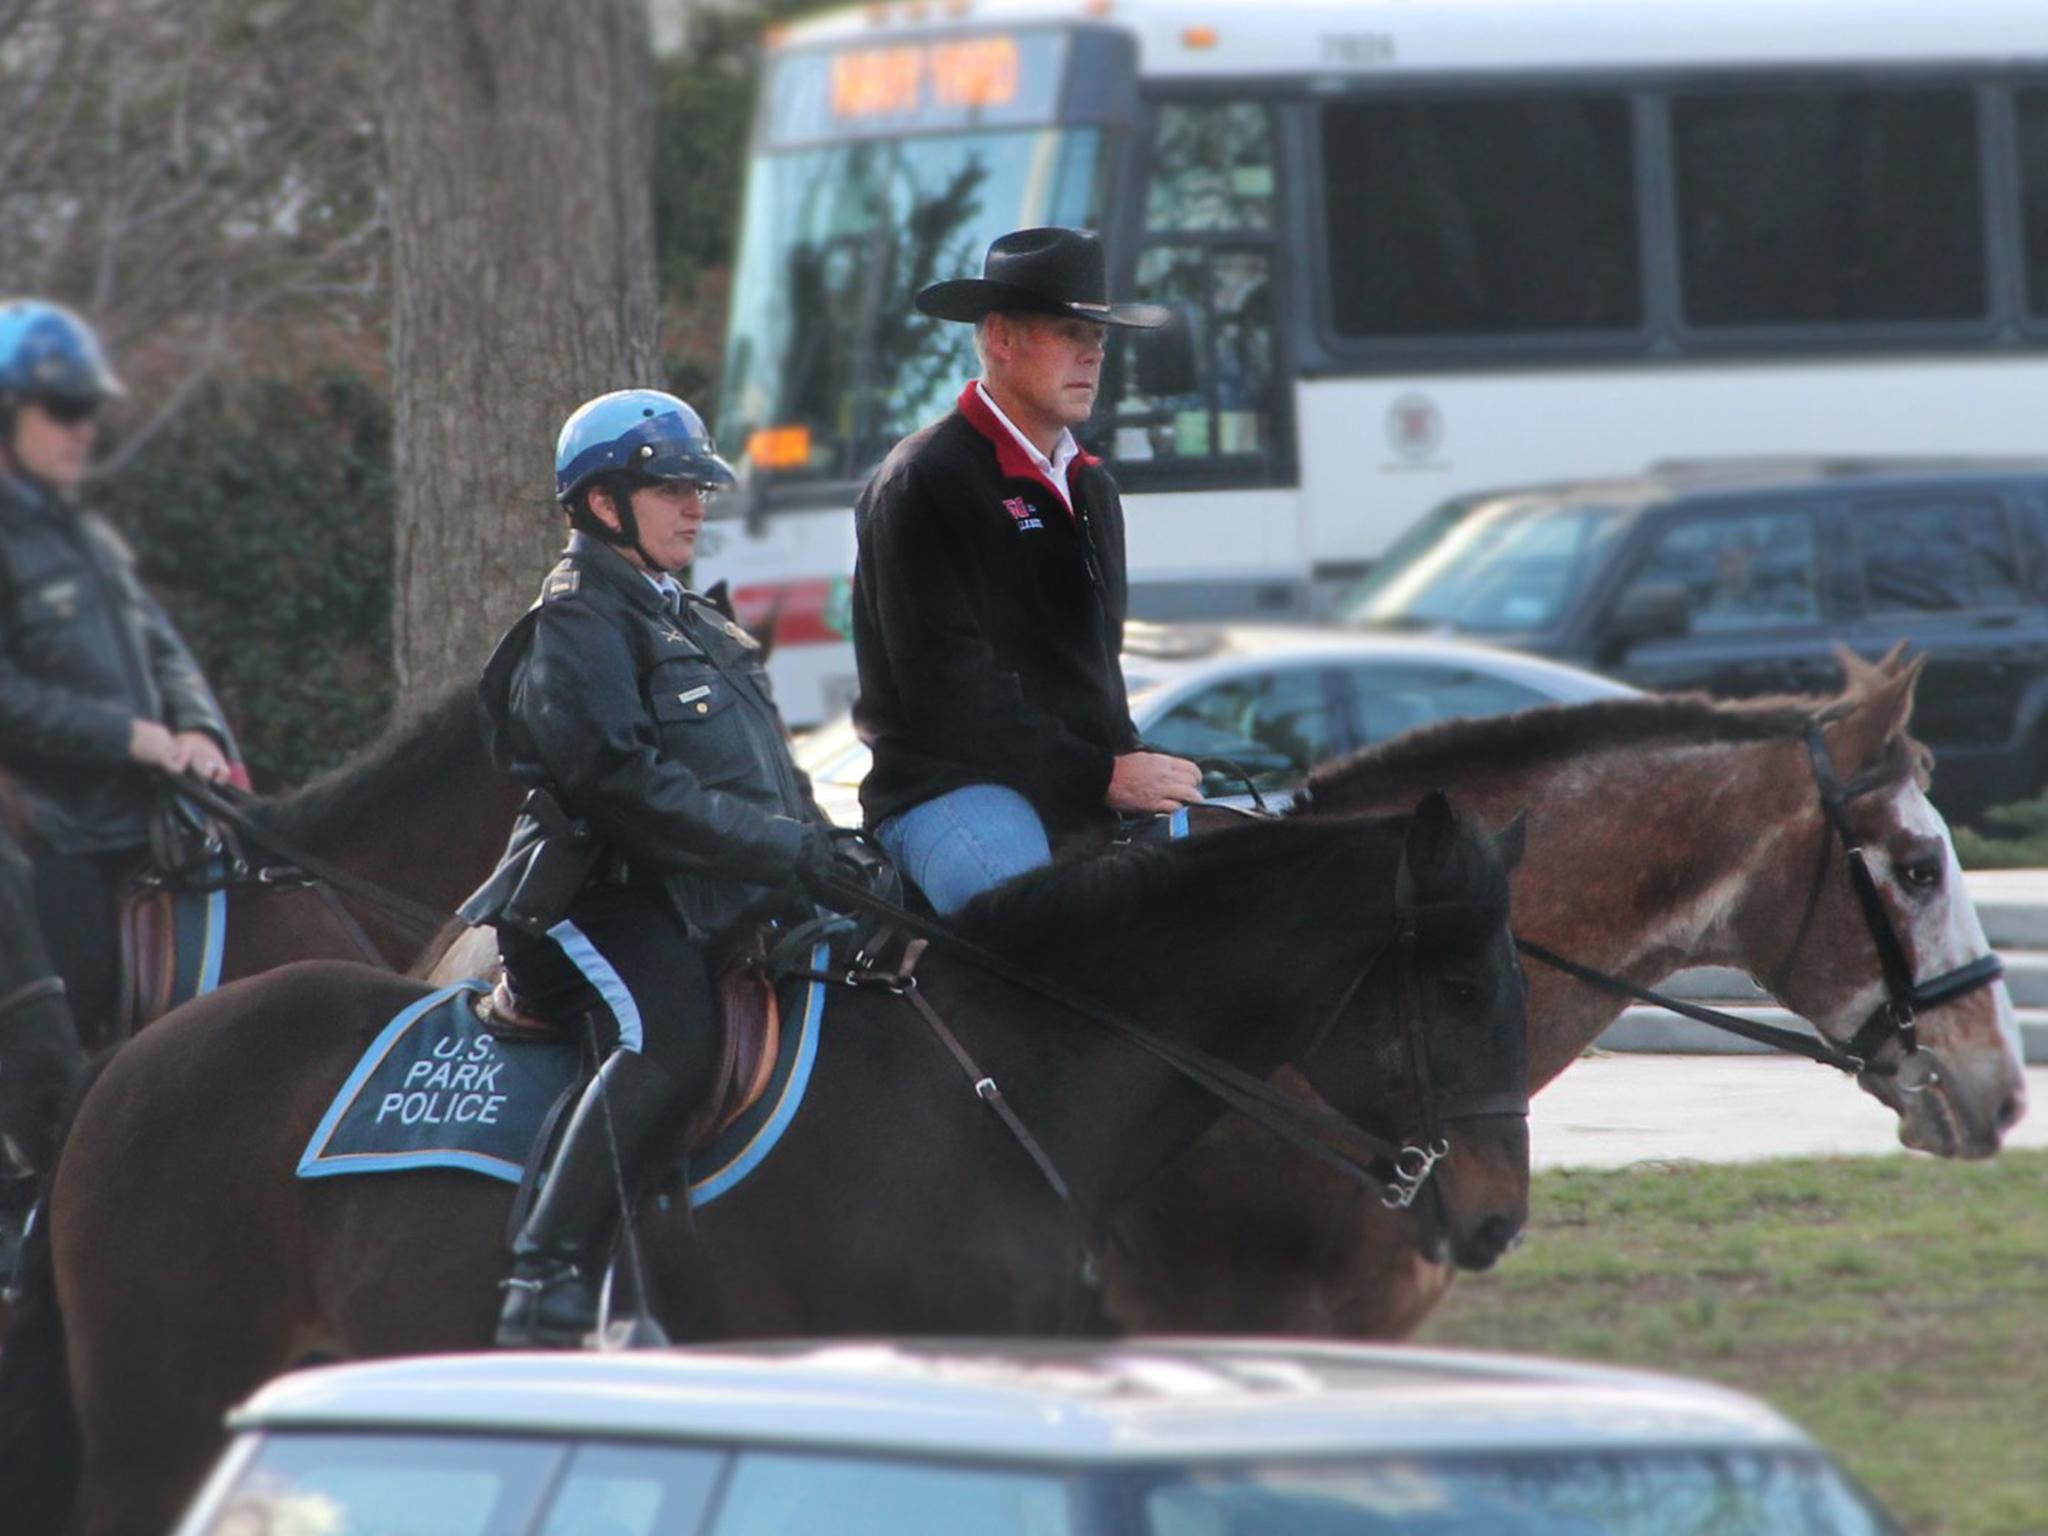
(657, 730)
(84, 651)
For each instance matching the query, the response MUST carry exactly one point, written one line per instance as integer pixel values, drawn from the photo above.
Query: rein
(414, 917)
(1396, 1172)
(1892, 1020)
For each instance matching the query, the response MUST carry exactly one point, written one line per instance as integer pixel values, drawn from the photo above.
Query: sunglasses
(68, 410)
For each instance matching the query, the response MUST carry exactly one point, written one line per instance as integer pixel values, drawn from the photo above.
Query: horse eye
(1922, 874)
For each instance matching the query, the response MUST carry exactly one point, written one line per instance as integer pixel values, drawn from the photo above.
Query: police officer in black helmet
(665, 803)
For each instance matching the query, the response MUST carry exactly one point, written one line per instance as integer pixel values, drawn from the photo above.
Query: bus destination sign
(1001, 79)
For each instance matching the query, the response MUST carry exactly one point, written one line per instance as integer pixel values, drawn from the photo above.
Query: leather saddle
(147, 922)
(748, 1022)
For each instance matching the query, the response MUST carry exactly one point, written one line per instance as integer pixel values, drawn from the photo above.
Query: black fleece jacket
(987, 621)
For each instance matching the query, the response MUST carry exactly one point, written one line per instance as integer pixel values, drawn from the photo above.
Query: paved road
(1611, 1110)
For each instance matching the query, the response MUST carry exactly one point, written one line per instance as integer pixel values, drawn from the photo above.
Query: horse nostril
(1495, 1234)
(2011, 1110)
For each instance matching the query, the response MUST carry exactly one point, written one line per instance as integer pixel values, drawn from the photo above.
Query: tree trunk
(520, 144)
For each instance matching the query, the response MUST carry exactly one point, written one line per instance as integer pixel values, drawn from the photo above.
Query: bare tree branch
(195, 173)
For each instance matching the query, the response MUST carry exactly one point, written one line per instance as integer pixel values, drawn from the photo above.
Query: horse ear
(1432, 832)
(1856, 672)
(1875, 718)
(1511, 842)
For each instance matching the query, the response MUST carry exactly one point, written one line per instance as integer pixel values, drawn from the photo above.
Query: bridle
(1892, 1021)
(1398, 1170)
(1416, 1160)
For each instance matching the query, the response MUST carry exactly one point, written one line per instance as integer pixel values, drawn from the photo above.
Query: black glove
(815, 859)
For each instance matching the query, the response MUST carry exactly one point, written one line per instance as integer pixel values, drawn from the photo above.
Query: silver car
(1142, 1438)
(1274, 702)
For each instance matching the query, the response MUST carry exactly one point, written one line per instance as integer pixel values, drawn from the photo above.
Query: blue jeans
(959, 844)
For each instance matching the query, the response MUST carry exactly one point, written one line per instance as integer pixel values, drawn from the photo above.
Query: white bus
(1424, 247)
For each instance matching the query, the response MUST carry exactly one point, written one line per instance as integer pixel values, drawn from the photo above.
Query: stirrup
(524, 1321)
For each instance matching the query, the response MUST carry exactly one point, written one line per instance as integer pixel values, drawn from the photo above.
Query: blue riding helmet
(639, 429)
(46, 351)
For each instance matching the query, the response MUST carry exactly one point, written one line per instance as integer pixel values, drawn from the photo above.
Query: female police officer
(664, 802)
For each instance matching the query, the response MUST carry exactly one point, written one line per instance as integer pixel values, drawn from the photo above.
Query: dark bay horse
(186, 1265)
(1663, 833)
(420, 812)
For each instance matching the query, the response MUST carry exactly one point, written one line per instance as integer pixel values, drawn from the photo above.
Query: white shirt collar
(670, 589)
(1064, 452)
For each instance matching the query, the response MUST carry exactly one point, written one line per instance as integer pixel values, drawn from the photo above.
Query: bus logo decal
(1415, 428)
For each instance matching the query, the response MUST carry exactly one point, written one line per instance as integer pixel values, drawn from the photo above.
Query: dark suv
(1739, 578)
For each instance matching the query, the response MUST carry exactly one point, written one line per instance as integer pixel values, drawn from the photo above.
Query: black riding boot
(551, 1299)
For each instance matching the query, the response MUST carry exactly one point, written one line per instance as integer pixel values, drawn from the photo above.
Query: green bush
(262, 519)
(2011, 836)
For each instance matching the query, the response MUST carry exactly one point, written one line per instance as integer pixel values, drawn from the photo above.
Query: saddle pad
(436, 1089)
(172, 941)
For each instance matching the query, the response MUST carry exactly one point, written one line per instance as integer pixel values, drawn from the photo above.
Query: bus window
(2032, 106)
(1829, 207)
(1207, 248)
(1212, 168)
(1475, 216)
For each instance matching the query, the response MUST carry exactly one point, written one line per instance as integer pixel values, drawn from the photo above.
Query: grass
(2011, 836)
(1897, 1308)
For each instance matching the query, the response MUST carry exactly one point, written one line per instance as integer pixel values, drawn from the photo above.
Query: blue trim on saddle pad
(1177, 823)
(742, 1146)
(371, 1126)
(211, 948)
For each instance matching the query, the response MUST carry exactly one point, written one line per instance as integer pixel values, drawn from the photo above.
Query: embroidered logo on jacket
(1022, 513)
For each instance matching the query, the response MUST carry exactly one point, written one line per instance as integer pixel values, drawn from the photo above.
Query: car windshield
(338, 1484)
(826, 357)
(1501, 567)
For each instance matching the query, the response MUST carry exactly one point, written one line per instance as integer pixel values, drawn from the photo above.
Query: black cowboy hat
(1043, 272)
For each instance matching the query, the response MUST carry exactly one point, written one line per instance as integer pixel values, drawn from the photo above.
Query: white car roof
(1139, 1401)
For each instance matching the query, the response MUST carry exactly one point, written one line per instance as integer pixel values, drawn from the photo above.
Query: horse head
(1968, 1086)
(1450, 1083)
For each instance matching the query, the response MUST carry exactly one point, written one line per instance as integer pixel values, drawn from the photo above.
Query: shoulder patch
(560, 584)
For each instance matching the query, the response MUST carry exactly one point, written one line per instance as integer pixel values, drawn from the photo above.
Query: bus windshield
(827, 363)
(1493, 566)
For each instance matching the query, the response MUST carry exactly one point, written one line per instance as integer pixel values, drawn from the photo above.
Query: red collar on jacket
(1011, 458)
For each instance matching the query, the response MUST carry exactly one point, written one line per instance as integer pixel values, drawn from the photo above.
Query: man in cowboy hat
(988, 604)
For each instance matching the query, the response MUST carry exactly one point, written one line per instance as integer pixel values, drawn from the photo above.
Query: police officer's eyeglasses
(68, 410)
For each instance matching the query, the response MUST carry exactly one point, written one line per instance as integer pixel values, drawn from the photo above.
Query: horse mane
(1535, 738)
(1076, 908)
(418, 750)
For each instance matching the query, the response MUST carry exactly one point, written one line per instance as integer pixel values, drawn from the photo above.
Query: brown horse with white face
(1663, 833)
